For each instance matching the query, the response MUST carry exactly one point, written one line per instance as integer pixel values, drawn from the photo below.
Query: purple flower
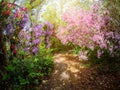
(83, 57)
(103, 46)
(48, 45)
(25, 20)
(38, 33)
(48, 24)
(21, 23)
(35, 50)
(91, 47)
(36, 41)
(97, 38)
(111, 49)
(48, 32)
(117, 36)
(38, 28)
(116, 47)
(28, 43)
(10, 28)
(26, 49)
(28, 37)
(13, 17)
(99, 53)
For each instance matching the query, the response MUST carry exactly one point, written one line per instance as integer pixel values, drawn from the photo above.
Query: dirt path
(70, 74)
(65, 71)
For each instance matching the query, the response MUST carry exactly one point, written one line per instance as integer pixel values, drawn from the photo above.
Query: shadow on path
(70, 74)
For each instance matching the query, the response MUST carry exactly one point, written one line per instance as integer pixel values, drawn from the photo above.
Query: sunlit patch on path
(70, 73)
(65, 71)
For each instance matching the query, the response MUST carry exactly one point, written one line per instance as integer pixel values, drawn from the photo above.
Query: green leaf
(23, 81)
(10, 68)
(6, 77)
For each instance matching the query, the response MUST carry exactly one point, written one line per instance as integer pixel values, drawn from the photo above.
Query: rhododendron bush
(23, 43)
(13, 19)
(16, 26)
(32, 37)
(90, 29)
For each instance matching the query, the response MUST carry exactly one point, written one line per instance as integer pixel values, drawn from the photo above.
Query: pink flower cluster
(88, 28)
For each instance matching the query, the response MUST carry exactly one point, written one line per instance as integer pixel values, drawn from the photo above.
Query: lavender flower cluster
(16, 22)
(37, 34)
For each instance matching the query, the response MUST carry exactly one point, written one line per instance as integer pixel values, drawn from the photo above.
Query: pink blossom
(111, 49)
(91, 47)
(103, 46)
(99, 53)
(89, 28)
(83, 57)
(23, 9)
(16, 15)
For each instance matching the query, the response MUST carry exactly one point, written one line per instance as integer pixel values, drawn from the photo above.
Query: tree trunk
(3, 51)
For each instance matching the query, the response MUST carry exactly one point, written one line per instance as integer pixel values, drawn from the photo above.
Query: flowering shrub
(30, 71)
(39, 34)
(13, 18)
(16, 16)
(89, 29)
(29, 61)
(16, 27)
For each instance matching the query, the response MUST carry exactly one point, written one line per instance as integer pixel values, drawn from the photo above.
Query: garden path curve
(66, 73)
(70, 73)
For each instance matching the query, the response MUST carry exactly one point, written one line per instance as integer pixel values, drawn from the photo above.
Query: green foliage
(92, 56)
(113, 6)
(57, 46)
(106, 64)
(30, 71)
(76, 50)
(30, 4)
(24, 68)
(105, 57)
(83, 4)
(44, 53)
(53, 13)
